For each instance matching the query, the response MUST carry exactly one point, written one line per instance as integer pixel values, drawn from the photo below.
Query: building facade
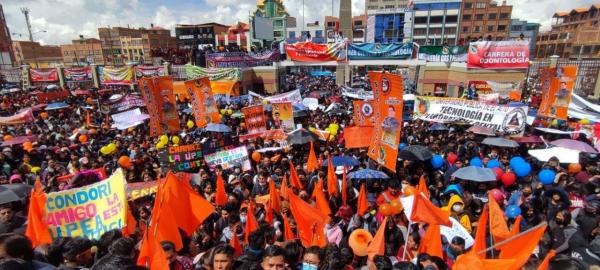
(436, 22)
(36, 55)
(484, 20)
(236, 35)
(575, 34)
(153, 38)
(7, 57)
(314, 32)
(523, 30)
(198, 35)
(359, 28)
(386, 20)
(82, 52)
(275, 11)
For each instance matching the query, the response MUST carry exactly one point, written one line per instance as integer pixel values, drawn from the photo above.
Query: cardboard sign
(141, 189)
(182, 158)
(255, 119)
(229, 159)
(283, 115)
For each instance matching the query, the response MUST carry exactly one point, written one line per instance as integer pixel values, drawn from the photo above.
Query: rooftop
(576, 10)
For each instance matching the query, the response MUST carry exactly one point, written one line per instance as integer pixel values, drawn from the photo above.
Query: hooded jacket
(461, 216)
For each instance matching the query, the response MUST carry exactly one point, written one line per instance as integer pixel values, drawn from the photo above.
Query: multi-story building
(198, 35)
(275, 11)
(574, 34)
(484, 19)
(132, 49)
(314, 31)
(82, 52)
(36, 55)
(523, 30)
(386, 20)
(436, 22)
(6, 54)
(154, 38)
(359, 28)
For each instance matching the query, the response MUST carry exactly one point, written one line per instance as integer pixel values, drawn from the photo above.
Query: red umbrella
(528, 139)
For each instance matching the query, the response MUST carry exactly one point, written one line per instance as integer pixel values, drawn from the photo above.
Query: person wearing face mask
(454, 249)
(234, 228)
(455, 207)
(587, 218)
(561, 231)
(312, 258)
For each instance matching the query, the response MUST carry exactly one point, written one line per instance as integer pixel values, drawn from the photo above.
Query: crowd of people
(570, 204)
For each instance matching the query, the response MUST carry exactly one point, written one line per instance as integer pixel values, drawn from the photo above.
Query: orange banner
(387, 92)
(160, 102)
(358, 137)
(283, 115)
(255, 119)
(557, 87)
(203, 102)
(363, 113)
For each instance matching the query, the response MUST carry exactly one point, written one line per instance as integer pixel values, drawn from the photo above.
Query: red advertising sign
(43, 75)
(498, 54)
(255, 119)
(313, 52)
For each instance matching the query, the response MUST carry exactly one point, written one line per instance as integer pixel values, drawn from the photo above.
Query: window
(466, 17)
(390, 7)
(476, 29)
(515, 28)
(420, 20)
(319, 33)
(292, 34)
(330, 24)
(451, 19)
(499, 38)
(479, 17)
(587, 49)
(490, 28)
(492, 16)
(480, 5)
(371, 7)
(450, 31)
(420, 32)
(465, 29)
(358, 23)
(501, 28)
(504, 16)
(468, 5)
(436, 19)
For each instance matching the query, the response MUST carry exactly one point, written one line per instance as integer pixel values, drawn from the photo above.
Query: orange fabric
(424, 211)
(283, 189)
(516, 227)
(382, 199)
(310, 222)
(288, 234)
(37, 230)
(469, 261)
(269, 213)
(498, 226)
(344, 187)
(332, 183)
(295, 181)
(377, 245)
(546, 261)
(363, 203)
(422, 188)
(431, 243)
(321, 201)
(151, 254)
(521, 247)
(274, 200)
(251, 223)
(221, 194)
(163, 225)
(236, 245)
(130, 224)
(312, 163)
(88, 120)
(480, 235)
(358, 137)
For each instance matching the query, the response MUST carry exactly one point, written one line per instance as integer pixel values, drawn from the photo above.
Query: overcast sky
(64, 20)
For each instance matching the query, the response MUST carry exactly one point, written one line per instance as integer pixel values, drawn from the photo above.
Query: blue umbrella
(56, 106)
(437, 127)
(217, 128)
(343, 161)
(367, 174)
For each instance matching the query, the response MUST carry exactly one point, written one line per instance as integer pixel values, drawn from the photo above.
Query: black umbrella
(301, 136)
(14, 192)
(416, 153)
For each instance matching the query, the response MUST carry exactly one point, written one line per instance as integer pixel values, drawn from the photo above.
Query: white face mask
(404, 186)
(456, 208)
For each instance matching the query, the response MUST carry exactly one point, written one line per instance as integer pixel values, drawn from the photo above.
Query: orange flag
(480, 236)
(269, 213)
(310, 222)
(236, 245)
(424, 211)
(516, 227)
(251, 223)
(344, 187)
(88, 120)
(546, 261)
(151, 254)
(164, 225)
(470, 261)
(37, 230)
(295, 181)
(332, 183)
(422, 188)
(283, 189)
(130, 224)
(363, 203)
(274, 200)
(431, 243)
(189, 208)
(520, 247)
(498, 227)
(321, 202)
(221, 195)
(288, 234)
(312, 163)
(377, 245)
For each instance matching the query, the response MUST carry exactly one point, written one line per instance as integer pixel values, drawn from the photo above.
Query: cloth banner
(557, 87)
(23, 117)
(283, 115)
(83, 74)
(357, 93)
(182, 158)
(241, 59)
(255, 119)
(277, 135)
(127, 119)
(387, 90)
(510, 90)
(457, 230)
(491, 98)
(293, 96)
(364, 113)
(122, 104)
(117, 75)
(229, 158)
(88, 211)
(442, 53)
(141, 189)
(358, 137)
(160, 102)
(43, 74)
(498, 54)
(203, 102)
(149, 71)
(313, 52)
(505, 119)
(101, 172)
(224, 81)
(380, 51)
(46, 97)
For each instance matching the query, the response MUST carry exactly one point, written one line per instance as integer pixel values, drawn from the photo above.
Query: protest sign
(357, 93)
(457, 230)
(182, 158)
(293, 96)
(160, 102)
(43, 74)
(241, 59)
(557, 88)
(358, 137)
(364, 113)
(442, 53)
(387, 90)
(283, 115)
(255, 119)
(510, 90)
(491, 98)
(52, 96)
(141, 189)
(203, 103)
(23, 117)
(498, 54)
(101, 172)
(82, 74)
(149, 71)
(88, 211)
(223, 81)
(313, 52)
(380, 51)
(117, 75)
(127, 119)
(510, 120)
(122, 104)
(229, 158)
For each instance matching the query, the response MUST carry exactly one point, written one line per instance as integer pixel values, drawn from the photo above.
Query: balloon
(28, 146)
(385, 209)
(476, 162)
(265, 102)
(492, 163)
(584, 121)
(359, 242)
(396, 207)
(555, 122)
(512, 211)
(83, 138)
(160, 145)
(256, 156)
(546, 176)
(190, 124)
(93, 131)
(125, 162)
(508, 178)
(437, 161)
(574, 168)
(402, 146)
(229, 111)
(223, 111)
(104, 150)
(44, 115)
(164, 139)
(35, 169)
(452, 158)
(112, 147)
(516, 160)
(497, 195)
(522, 169)
(176, 139)
(7, 137)
(499, 172)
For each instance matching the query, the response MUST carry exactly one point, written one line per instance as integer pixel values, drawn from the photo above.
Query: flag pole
(406, 239)
(513, 237)
(490, 225)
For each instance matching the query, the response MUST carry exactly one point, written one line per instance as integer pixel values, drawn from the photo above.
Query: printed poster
(183, 158)
(43, 74)
(83, 74)
(117, 75)
(498, 54)
(510, 90)
(364, 113)
(149, 71)
(255, 119)
(160, 102)
(241, 59)
(236, 157)
(223, 81)
(380, 51)
(313, 52)
(442, 54)
(203, 103)
(292, 96)
(556, 95)
(387, 91)
(88, 211)
(141, 189)
(283, 116)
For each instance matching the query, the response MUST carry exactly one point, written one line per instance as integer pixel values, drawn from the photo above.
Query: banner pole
(406, 239)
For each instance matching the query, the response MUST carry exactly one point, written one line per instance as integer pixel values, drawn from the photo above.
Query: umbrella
(476, 174)
(217, 128)
(57, 106)
(574, 145)
(415, 152)
(482, 130)
(301, 136)
(528, 139)
(19, 140)
(367, 174)
(343, 161)
(13, 192)
(437, 127)
(337, 111)
(564, 155)
(500, 142)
